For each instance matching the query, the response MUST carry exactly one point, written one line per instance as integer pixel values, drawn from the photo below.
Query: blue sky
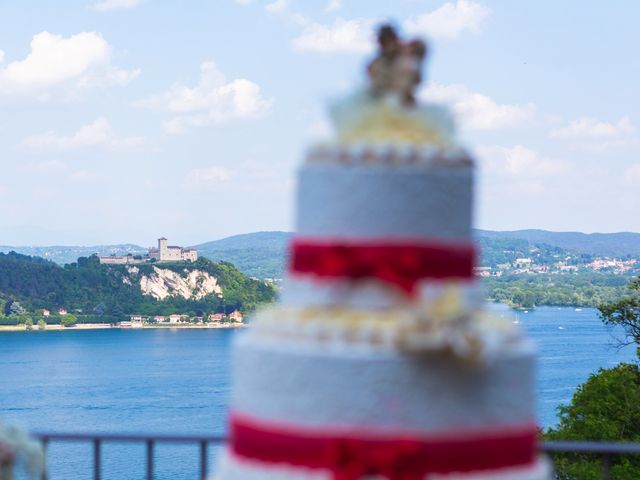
(124, 120)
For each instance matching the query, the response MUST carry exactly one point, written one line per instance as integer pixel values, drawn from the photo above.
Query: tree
(625, 313)
(606, 408)
(100, 309)
(42, 325)
(68, 320)
(11, 307)
(28, 324)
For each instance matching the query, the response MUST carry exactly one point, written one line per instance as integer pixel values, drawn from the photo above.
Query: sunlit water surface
(177, 381)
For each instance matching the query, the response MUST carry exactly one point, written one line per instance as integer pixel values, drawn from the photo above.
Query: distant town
(164, 253)
(235, 318)
(138, 321)
(560, 264)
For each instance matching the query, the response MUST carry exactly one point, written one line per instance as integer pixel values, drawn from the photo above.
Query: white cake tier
(308, 291)
(352, 386)
(385, 201)
(231, 467)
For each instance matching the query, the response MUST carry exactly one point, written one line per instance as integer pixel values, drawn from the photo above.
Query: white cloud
(357, 35)
(108, 5)
(450, 20)
(277, 6)
(244, 2)
(208, 178)
(281, 8)
(475, 110)
(333, 5)
(344, 36)
(1, 56)
(212, 101)
(590, 128)
(632, 175)
(519, 161)
(96, 134)
(82, 60)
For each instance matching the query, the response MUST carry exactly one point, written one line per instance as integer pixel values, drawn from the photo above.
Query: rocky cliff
(188, 284)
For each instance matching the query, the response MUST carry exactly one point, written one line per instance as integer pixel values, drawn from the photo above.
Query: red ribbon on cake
(402, 264)
(403, 458)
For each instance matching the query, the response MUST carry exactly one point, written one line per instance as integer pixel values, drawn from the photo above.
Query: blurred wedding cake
(379, 361)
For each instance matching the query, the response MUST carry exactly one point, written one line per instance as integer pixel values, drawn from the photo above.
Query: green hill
(260, 254)
(89, 288)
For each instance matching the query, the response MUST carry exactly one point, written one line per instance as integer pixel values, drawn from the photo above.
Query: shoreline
(106, 326)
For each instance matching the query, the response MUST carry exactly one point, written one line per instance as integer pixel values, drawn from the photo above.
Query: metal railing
(604, 450)
(99, 439)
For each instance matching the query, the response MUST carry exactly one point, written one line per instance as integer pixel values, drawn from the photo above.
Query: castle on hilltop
(164, 253)
(172, 253)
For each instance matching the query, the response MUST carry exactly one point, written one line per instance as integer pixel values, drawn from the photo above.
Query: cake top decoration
(397, 67)
(387, 110)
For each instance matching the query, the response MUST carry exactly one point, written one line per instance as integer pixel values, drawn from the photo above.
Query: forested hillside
(260, 254)
(89, 288)
(529, 291)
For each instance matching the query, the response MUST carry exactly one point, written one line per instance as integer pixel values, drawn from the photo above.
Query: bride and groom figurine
(396, 70)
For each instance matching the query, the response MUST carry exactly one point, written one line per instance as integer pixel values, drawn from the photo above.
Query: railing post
(203, 460)
(45, 445)
(606, 466)
(149, 459)
(96, 459)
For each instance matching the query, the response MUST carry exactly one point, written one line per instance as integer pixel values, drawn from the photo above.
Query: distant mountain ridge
(63, 254)
(263, 254)
(617, 244)
(259, 254)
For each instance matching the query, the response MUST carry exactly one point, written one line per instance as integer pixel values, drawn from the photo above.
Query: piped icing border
(390, 154)
(402, 264)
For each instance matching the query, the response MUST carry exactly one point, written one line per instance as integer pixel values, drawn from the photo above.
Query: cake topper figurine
(388, 110)
(397, 67)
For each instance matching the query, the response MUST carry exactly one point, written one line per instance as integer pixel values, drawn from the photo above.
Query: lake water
(177, 381)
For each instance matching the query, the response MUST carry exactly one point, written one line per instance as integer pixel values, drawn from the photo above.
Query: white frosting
(409, 202)
(371, 294)
(355, 386)
(231, 467)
